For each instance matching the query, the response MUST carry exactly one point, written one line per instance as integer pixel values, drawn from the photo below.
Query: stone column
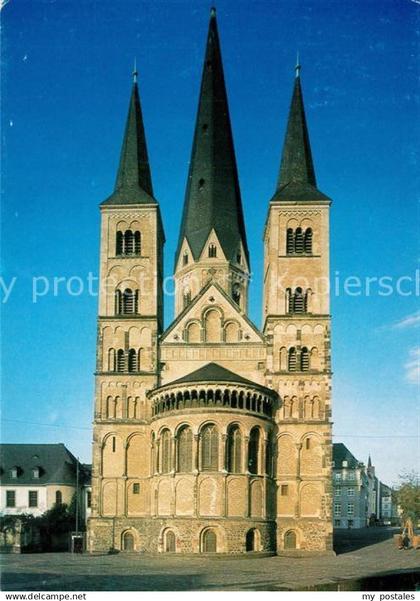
(222, 454)
(196, 453)
(173, 455)
(245, 455)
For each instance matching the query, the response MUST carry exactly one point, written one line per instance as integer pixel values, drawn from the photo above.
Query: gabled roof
(212, 198)
(297, 179)
(213, 372)
(197, 298)
(341, 453)
(134, 181)
(55, 462)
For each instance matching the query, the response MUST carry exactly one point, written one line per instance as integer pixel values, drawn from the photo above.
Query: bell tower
(130, 315)
(296, 323)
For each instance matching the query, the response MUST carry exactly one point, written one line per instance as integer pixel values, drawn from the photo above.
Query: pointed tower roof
(369, 461)
(134, 182)
(297, 179)
(212, 199)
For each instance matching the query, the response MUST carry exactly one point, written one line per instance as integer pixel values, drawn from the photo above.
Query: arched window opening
(119, 244)
(165, 452)
(290, 243)
(137, 243)
(128, 541)
(128, 301)
(132, 360)
(269, 456)
(120, 360)
(307, 444)
(253, 451)
(299, 241)
(201, 183)
(186, 297)
(58, 497)
(290, 540)
(298, 301)
(185, 258)
(210, 448)
(236, 293)
(292, 359)
(209, 544)
(308, 241)
(212, 250)
(128, 242)
(170, 542)
(304, 359)
(234, 450)
(185, 440)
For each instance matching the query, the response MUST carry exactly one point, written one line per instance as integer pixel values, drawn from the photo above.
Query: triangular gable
(185, 248)
(213, 239)
(212, 295)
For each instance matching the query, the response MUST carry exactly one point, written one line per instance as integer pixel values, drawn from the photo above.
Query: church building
(212, 435)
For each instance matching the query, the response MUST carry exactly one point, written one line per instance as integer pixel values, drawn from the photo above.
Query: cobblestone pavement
(361, 556)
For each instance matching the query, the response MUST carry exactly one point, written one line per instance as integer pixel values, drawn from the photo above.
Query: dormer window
(345, 463)
(236, 293)
(212, 251)
(14, 472)
(35, 472)
(201, 183)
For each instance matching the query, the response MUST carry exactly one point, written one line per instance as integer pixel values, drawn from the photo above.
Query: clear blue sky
(65, 88)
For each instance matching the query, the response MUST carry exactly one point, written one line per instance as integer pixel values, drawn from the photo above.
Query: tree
(407, 496)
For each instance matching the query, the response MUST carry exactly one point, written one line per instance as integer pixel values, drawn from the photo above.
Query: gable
(211, 310)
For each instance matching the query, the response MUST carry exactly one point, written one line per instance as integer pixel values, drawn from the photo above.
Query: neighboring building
(388, 509)
(213, 435)
(35, 477)
(351, 489)
(374, 509)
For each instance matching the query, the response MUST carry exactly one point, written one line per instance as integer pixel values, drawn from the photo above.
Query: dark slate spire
(213, 197)
(297, 175)
(134, 182)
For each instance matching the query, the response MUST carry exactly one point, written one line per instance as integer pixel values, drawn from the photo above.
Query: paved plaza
(365, 560)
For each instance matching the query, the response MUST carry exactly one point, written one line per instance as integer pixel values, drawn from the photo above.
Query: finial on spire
(135, 72)
(298, 66)
(212, 11)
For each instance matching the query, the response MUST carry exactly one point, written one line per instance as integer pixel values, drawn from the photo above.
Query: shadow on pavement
(346, 541)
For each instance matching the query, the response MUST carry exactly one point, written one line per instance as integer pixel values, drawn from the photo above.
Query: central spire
(213, 200)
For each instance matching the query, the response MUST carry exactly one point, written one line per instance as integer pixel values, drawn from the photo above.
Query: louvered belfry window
(132, 360)
(308, 241)
(120, 360)
(292, 359)
(304, 359)
(128, 243)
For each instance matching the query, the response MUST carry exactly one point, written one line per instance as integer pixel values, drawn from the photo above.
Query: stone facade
(213, 435)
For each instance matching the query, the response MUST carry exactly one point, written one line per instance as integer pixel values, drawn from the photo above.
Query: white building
(35, 477)
(351, 490)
